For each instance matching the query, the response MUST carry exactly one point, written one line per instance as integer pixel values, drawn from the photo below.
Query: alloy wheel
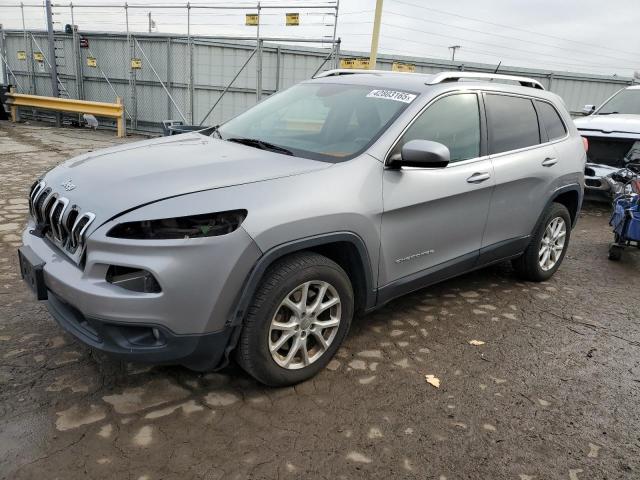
(305, 324)
(552, 243)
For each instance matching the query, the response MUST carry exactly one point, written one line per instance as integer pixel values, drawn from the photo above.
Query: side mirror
(421, 154)
(588, 109)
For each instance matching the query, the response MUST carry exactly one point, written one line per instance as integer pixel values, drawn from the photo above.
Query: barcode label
(392, 95)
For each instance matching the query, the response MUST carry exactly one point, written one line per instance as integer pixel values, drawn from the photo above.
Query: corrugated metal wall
(215, 62)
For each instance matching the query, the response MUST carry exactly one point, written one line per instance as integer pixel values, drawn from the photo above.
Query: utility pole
(373, 56)
(453, 49)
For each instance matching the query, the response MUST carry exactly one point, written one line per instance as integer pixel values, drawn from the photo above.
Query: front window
(625, 101)
(454, 121)
(321, 121)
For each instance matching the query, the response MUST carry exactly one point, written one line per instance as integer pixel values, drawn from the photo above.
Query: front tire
(298, 318)
(548, 246)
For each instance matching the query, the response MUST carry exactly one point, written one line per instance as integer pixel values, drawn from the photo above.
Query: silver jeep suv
(263, 238)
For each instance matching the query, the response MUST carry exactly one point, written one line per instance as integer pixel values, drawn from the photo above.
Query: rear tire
(548, 246)
(290, 332)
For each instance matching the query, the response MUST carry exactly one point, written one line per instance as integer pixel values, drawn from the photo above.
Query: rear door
(524, 165)
(434, 217)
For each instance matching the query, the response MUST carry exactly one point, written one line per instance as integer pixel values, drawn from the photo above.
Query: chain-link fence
(205, 79)
(162, 76)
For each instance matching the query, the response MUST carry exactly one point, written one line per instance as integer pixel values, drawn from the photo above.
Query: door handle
(478, 177)
(549, 161)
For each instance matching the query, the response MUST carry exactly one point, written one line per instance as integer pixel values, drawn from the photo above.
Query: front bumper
(606, 155)
(595, 179)
(191, 317)
(138, 343)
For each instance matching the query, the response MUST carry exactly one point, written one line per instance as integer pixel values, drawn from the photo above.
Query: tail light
(585, 142)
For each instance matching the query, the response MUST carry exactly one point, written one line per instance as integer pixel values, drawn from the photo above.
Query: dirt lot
(554, 392)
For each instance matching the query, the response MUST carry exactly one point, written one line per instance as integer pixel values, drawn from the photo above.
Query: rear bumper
(144, 343)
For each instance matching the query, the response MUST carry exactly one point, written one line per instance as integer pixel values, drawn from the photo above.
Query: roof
(443, 81)
(441, 77)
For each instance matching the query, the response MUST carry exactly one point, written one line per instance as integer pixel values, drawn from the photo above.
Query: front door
(434, 219)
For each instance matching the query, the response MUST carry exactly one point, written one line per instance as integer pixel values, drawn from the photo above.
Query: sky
(568, 35)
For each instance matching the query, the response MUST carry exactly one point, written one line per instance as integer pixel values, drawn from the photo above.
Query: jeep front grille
(62, 223)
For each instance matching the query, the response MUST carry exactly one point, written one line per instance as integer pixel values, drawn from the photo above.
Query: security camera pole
(373, 56)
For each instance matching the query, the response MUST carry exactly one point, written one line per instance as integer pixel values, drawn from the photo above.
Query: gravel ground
(552, 393)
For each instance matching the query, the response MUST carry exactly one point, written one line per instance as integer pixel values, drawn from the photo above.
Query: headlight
(193, 226)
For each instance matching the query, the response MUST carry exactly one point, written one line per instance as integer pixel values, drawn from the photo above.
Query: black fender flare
(252, 281)
(574, 187)
(257, 272)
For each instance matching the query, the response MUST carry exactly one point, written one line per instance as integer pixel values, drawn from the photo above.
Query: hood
(614, 123)
(110, 181)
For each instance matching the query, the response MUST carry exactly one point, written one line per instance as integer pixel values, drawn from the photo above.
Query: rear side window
(551, 120)
(512, 123)
(454, 121)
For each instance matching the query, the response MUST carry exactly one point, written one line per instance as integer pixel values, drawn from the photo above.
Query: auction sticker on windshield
(392, 95)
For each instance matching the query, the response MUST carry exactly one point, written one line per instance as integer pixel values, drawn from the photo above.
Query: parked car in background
(613, 133)
(330, 198)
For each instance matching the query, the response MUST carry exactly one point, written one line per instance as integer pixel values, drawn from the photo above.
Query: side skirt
(496, 253)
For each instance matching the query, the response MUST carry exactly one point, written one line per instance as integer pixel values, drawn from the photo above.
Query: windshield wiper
(211, 131)
(262, 145)
(607, 113)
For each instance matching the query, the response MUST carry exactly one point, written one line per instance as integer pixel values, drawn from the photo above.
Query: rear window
(551, 120)
(512, 123)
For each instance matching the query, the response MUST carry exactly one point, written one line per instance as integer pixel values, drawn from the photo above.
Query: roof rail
(350, 71)
(455, 76)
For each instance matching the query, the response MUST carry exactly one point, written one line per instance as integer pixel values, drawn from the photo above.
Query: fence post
(53, 64)
(132, 73)
(278, 60)
(337, 53)
(77, 57)
(28, 48)
(3, 53)
(190, 48)
(258, 60)
(335, 46)
(169, 76)
(134, 81)
(121, 123)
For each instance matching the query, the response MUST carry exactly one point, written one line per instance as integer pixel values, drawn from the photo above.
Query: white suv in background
(613, 132)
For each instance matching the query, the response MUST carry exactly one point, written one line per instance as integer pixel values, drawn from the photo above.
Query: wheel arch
(571, 197)
(347, 249)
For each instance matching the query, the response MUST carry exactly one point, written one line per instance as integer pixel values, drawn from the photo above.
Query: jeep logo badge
(68, 185)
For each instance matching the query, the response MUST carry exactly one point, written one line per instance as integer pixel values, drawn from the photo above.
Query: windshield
(625, 101)
(321, 121)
